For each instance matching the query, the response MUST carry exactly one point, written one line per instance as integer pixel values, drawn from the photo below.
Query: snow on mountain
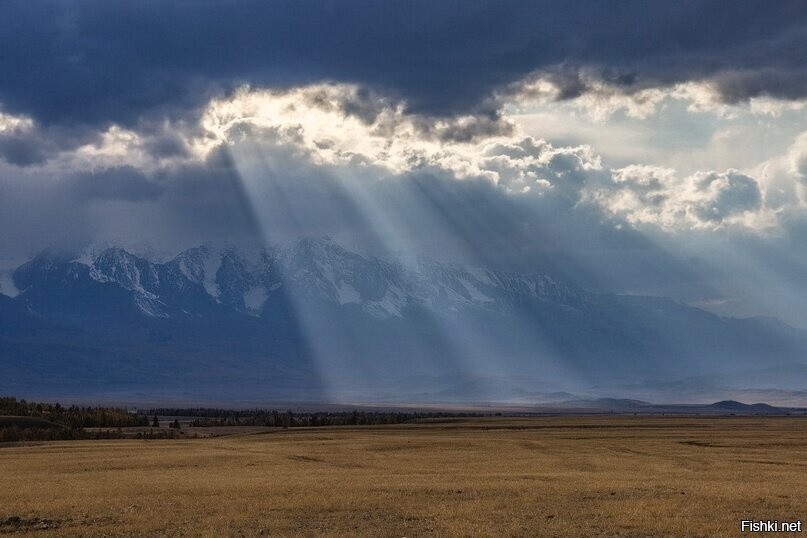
(129, 271)
(200, 266)
(7, 286)
(309, 270)
(254, 298)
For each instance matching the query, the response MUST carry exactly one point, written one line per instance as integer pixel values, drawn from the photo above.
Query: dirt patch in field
(20, 524)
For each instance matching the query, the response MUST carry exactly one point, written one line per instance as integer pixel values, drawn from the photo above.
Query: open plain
(554, 476)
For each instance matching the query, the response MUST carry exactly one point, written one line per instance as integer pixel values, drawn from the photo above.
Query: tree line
(21, 420)
(73, 416)
(207, 417)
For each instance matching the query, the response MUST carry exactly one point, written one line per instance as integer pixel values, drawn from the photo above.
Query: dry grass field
(554, 476)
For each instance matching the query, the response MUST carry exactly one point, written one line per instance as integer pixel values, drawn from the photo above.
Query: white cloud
(344, 125)
(766, 106)
(338, 123)
(785, 176)
(600, 100)
(703, 200)
(321, 122)
(798, 158)
(10, 123)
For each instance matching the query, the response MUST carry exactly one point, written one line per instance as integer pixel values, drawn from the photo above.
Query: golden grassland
(554, 476)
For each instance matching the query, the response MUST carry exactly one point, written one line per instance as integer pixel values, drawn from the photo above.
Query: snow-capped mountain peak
(317, 270)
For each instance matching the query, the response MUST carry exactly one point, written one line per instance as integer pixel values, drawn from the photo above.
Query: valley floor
(554, 476)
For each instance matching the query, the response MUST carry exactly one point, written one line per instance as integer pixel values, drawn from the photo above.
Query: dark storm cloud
(99, 62)
(166, 145)
(29, 145)
(117, 183)
(466, 129)
(22, 150)
(170, 209)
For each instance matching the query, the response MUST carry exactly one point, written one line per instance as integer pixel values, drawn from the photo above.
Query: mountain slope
(314, 320)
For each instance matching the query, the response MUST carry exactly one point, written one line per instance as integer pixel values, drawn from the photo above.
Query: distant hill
(621, 405)
(731, 405)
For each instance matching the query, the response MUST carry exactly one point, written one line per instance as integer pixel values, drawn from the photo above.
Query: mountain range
(314, 321)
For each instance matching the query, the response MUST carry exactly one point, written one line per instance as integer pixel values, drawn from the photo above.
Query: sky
(638, 147)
